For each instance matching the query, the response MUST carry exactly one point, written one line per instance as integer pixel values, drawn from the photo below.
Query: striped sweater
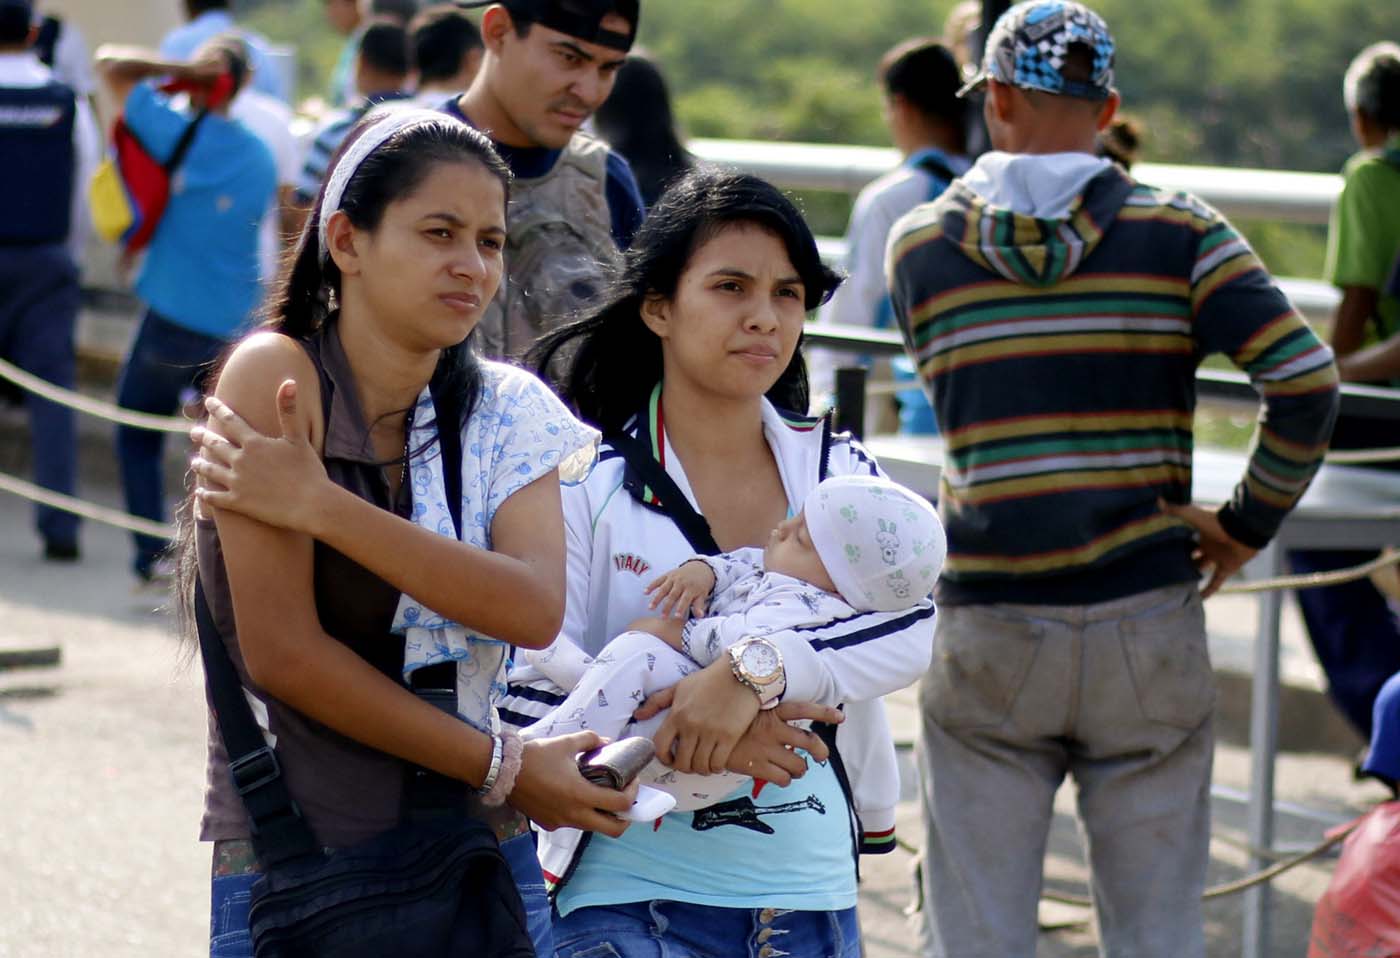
(1060, 356)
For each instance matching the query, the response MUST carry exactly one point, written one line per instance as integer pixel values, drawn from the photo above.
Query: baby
(860, 544)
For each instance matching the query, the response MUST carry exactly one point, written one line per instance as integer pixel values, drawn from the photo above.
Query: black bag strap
(673, 502)
(280, 834)
(448, 410)
(183, 145)
(428, 794)
(935, 167)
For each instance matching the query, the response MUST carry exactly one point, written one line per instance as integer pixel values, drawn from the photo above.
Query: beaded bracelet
(512, 749)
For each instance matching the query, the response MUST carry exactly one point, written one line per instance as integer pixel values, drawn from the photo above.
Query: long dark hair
(300, 304)
(606, 364)
(637, 121)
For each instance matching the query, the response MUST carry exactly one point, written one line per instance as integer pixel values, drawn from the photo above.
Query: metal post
(1263, 747)
(850, 400)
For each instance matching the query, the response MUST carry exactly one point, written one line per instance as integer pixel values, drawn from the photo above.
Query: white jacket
(618, 540)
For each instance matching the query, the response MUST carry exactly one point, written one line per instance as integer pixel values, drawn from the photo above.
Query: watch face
(760, 660)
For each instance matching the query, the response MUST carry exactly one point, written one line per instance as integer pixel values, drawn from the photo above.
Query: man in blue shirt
(200, 278)
(549, 64)
(208, 19)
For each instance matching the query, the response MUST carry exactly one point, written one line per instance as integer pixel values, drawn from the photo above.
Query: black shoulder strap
(183, 146)
(936, 168)
(448, 410)
(279, 832)
(673, 502)
(46, 43)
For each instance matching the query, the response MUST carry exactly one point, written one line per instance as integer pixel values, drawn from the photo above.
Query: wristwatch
(758, 664)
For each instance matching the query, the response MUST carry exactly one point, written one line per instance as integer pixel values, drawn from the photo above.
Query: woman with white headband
(336, 573)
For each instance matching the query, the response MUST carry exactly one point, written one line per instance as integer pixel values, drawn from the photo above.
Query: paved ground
(101, 764)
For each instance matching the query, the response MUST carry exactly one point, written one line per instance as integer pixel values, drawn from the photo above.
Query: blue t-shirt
(181, 43)
(624, 196)
(707, 857)
(201, 270)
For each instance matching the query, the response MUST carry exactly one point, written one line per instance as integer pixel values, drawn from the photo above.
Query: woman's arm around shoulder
(290, 657)
(512, 592)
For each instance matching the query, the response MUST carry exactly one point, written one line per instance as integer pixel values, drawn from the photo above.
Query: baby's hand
(684, 591)
(670, 631)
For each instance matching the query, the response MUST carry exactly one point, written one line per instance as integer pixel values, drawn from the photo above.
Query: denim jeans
(165, 360)
(38, 313)
(519, 853)
(1120, 695)
(228, 916)
(672, 929)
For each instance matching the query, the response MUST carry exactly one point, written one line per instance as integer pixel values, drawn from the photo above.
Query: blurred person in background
(920, 80)
(1121, 141)
(381, 77)
(60, 46)
(1353, 627)
(637, 121)
(48, 149)
(1364, 236)
(345, 17)
(401, 12)
(208, 19)
(271, 121)
(200, 276)
(574, 203)
(959, 28)
(447, 50)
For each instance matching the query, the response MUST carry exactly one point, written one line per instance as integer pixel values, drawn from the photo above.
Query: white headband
(396, 119)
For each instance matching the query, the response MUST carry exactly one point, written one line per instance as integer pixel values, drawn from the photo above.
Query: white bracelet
(497, 747)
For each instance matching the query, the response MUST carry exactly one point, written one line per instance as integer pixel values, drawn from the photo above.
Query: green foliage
(302, 24)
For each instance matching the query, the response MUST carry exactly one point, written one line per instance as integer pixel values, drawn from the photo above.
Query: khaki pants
(1120, 695)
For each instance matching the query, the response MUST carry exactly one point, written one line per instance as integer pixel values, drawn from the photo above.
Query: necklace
(403, 466)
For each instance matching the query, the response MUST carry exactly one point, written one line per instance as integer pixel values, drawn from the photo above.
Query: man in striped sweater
(1057, 311)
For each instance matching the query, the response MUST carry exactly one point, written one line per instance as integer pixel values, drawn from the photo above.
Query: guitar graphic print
(745, 814)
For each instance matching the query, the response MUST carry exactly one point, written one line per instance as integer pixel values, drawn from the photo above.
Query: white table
(1345, 508)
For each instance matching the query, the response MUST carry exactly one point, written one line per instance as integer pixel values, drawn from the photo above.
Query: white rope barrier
(177, 425)
(1314, 580)
(1361, 457)
(87, 510)
(93, 407)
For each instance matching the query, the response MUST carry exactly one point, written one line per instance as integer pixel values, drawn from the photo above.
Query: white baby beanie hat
(882, 544)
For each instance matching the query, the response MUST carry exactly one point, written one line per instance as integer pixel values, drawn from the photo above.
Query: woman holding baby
(693, 359)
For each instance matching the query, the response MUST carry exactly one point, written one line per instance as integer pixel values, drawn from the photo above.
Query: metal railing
(1242, 193)
(1276, 196)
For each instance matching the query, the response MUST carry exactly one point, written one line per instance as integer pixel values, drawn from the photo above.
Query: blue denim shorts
(228, 916)
(519, 853)
(671, 929)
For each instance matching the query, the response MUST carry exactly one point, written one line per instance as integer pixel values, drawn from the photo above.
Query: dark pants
(165, 361)
(1354, 632)
(39, 300)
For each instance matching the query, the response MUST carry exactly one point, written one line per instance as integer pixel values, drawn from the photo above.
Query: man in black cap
(574, 204)
(48, 148)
